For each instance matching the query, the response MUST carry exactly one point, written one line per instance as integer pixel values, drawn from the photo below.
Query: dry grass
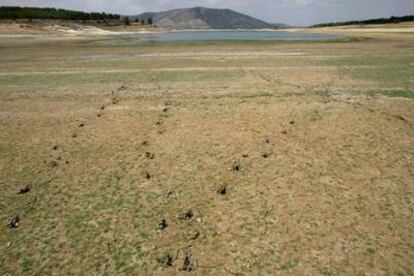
(316, 162)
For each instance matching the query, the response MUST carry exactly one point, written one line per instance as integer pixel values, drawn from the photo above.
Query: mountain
(203, 18)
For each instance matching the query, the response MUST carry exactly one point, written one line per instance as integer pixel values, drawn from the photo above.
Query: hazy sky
(294, 12)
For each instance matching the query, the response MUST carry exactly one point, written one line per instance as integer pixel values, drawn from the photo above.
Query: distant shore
(17, 28)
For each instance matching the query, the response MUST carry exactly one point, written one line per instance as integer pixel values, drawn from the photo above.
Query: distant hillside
(203, 18)
(8, 12)
(393, 19)
(280, 25)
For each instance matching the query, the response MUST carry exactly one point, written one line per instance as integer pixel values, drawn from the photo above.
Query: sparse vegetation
(269, 158)
(127, 22)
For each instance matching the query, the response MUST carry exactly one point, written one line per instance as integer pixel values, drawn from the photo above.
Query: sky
(292, 12)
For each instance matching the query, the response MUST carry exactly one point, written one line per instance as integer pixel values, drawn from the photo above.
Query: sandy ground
(390, 31)
(60, 28)
(206, 159)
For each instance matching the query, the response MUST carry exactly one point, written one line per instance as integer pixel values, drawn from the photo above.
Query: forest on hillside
(393, 19)
(8, 12)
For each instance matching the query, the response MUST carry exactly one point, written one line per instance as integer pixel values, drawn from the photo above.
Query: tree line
(8, 12)
(142, 21)
(393, 19)
(127, 21)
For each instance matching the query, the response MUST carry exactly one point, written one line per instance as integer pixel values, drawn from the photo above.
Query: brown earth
(217, 159)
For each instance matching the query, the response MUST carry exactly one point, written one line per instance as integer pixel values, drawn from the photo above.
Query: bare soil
(206, 159)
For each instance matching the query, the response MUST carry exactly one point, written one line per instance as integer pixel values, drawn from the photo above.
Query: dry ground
(59, 27)
(261, 158)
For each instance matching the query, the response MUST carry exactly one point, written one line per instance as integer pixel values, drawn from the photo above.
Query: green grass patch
(395, 93)
(89, 78)
(396, 76)
(390, 70)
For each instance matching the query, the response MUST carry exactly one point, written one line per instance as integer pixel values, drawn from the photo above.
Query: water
(240, 35)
